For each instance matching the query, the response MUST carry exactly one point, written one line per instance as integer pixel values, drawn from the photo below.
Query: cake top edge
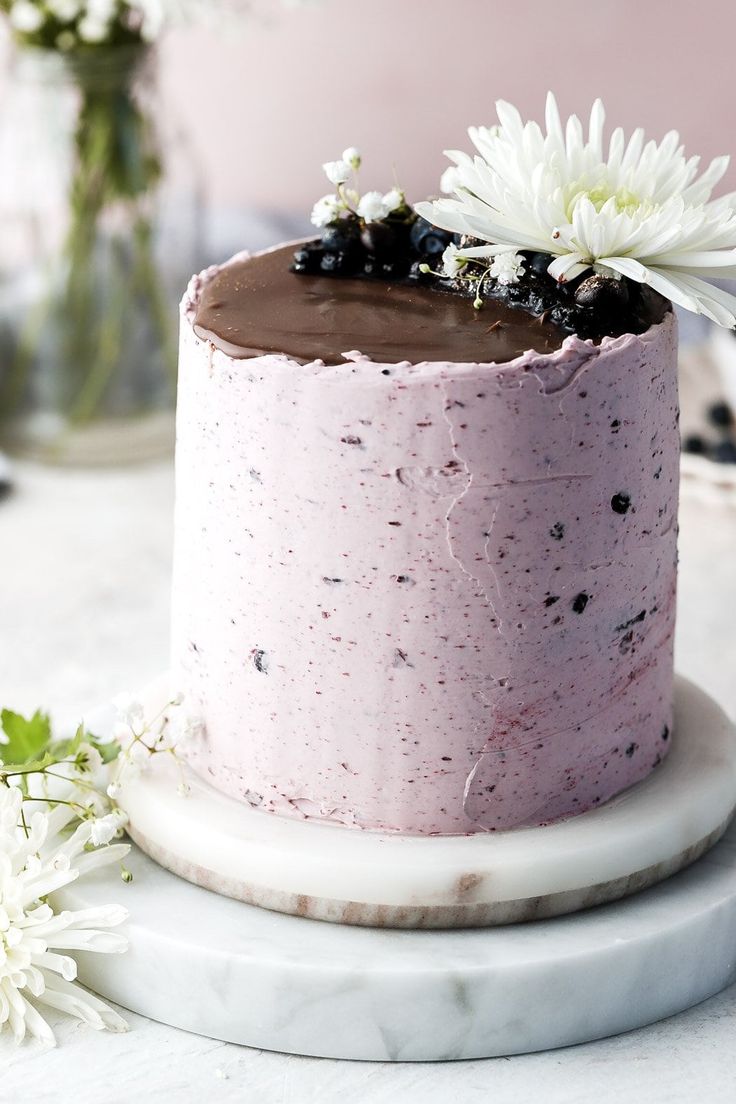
(563, 347)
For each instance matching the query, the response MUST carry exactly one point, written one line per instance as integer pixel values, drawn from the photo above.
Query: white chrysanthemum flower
(639, 208)
(352, 156)
(372, 207)
(25, 17)
(449, 180)
(326, 210)
(394, 199)
(507, 267)
(337, 172)
(35, 966)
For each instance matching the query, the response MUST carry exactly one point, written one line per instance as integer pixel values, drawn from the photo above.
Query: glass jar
(100, 211)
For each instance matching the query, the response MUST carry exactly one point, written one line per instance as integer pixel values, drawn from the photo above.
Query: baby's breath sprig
(347, 201)
(465, 265)
(58, 819)
(83, 774)
(172, 731)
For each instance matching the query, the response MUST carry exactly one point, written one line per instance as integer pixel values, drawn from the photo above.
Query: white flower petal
(337, 172)
(639, 209)
(372, 207)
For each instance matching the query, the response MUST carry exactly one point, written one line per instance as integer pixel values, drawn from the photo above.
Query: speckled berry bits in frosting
(425, 557)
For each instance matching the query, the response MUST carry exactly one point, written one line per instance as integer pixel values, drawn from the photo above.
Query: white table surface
(84, 564)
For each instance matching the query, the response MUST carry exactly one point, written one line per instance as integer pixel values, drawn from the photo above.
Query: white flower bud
(337, 172)
(326, 210)
(352, 156)
(394, 199)
(507, 267)
(128, 709)
(452, 261)
(372, 207)
(104, 829)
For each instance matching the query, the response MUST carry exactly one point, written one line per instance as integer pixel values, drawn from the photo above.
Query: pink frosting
(402, 596)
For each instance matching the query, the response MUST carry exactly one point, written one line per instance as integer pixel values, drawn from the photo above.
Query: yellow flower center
(600, 193)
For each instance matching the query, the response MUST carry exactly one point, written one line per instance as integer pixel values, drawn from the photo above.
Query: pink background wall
(402, 79)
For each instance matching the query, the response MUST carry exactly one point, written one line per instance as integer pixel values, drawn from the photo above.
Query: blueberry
(538, 263)
(620, 503)
(340, 237)
(602, 293)
(308, 258)
(724, 452)
(720, 414)
(427, 239)
(579, 602)
(695, 444)
(379, 239)
(333, 262)
(557, 531)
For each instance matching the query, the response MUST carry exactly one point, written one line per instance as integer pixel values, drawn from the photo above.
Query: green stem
(152, 289)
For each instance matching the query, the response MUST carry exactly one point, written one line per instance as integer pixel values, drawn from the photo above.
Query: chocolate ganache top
(256, 306)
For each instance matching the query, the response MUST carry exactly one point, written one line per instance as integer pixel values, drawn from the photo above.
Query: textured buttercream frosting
(430, 597)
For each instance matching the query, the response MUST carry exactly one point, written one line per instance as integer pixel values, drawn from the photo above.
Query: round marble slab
(328, 872)
(233, 972)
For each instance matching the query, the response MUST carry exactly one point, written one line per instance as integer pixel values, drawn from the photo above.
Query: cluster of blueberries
(403, 245)
(393, 248)
(722, 449)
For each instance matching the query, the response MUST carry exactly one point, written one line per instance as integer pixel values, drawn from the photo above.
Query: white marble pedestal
(243, 974)
(232, 971)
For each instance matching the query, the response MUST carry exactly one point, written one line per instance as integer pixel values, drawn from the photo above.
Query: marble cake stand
(226, 969)
(328, 872)
(242, 974)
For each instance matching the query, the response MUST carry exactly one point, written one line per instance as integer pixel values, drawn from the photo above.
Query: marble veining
(233, 972)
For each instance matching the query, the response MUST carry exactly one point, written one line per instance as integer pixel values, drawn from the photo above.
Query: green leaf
(109, 752)
(28, 738)
(66, 749)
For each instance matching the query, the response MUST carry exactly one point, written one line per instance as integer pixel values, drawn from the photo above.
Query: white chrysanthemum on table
(638, 209)
(36, 944)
